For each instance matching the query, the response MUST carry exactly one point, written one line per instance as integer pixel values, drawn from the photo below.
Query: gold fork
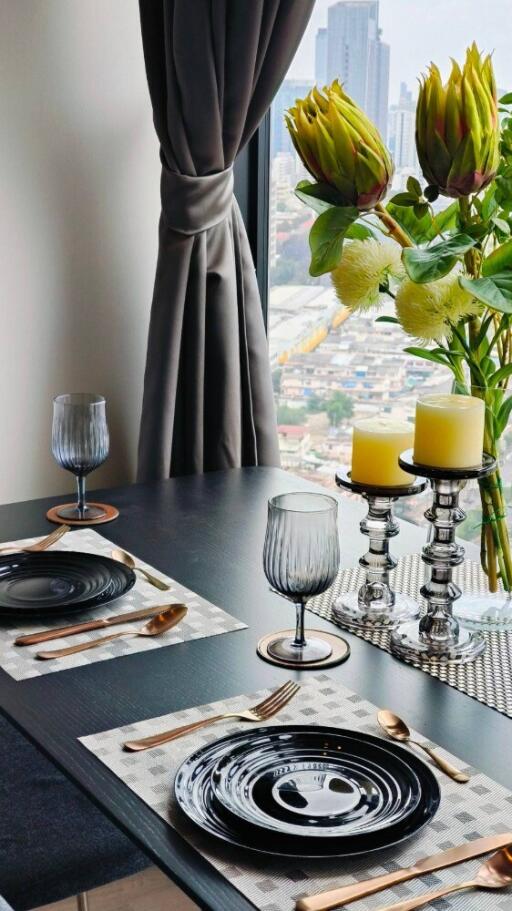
(43, 544)
(261, 712)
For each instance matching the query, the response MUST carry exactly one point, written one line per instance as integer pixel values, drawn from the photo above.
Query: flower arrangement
(449, 271)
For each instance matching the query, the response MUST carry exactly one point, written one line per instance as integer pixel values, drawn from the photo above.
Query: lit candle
(449, 431)
(376, 444)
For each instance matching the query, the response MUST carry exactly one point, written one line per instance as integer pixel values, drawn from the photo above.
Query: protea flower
(457, 127)
(340, 147)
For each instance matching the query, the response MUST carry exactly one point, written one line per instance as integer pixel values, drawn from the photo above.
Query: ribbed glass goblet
(80, 443)
(301, 556)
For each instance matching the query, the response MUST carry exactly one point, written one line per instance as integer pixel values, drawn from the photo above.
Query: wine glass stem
(80, 485)
(300, 639)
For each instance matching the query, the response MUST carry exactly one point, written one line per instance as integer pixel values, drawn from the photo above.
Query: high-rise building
(357, 56)
(401, 130)
(290, 90)
(321, 57)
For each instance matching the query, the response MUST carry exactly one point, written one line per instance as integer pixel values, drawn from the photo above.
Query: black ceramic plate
(316, 785)
(59, 582)
(195, 797)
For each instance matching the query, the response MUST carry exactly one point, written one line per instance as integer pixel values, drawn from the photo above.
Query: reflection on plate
(316, 785)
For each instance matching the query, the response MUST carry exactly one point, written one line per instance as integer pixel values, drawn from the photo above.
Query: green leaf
(387, 319)
(404, 199)
(500, 375)
(506, 99)
(487, 366)
(414, 187)
(421, 209)
(359, 231)
(477, 230)
(427, 264)
(427, 355)
(501, 225)
(318, 196)
(448, 354)
(424, 229)
(503, 415)
(326, 238)
(500, 259)
(494, 291)
(489, 204)
(483, 330)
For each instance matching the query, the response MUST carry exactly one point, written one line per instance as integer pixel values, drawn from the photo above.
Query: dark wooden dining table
(207, 532)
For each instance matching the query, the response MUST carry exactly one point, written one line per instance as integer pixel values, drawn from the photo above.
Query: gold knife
(335, 898)
(61, 631)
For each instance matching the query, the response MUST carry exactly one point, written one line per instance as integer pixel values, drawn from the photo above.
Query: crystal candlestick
(375, 604)
(438, 635)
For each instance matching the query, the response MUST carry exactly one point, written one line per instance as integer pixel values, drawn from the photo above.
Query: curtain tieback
(194, 204)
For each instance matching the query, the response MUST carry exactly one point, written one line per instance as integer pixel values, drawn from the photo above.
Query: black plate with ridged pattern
(196, 797)
(59, 582)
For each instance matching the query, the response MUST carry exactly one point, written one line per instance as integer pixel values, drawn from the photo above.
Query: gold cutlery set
(163, 621)
(496, 873)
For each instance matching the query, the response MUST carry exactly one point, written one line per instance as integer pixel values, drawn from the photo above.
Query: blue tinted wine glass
(80, 443)
(301, 557)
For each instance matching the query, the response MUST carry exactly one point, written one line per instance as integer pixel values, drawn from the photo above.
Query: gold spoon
(398, 730)
(123, 557)
(495, 873)
(155, 627)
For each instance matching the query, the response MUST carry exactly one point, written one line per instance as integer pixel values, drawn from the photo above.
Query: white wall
(79, 184)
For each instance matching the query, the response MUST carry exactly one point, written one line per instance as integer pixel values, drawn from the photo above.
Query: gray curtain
(213, 67)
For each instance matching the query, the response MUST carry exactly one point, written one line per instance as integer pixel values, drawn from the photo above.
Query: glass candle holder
(438, 636)
(376, 604)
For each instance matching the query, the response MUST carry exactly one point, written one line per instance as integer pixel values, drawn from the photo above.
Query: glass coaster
(339, 649)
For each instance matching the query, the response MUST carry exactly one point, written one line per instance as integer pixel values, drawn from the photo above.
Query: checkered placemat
(488, 679)
(203, 619)
(479, 808)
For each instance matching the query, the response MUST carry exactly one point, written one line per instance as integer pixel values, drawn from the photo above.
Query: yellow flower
(428, 311)
(365, 266)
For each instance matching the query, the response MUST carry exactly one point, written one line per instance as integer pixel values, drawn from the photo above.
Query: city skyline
(442, 29)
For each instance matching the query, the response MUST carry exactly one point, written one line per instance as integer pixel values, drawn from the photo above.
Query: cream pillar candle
(376, 444)
(449, 431)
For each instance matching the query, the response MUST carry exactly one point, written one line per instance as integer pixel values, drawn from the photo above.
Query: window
(328, 367)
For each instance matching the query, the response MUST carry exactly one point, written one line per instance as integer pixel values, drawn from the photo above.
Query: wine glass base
(81, 515)
(407, 643)
(349, 611)
(490, 613)
(283, 648)
(338, 650)
(108, 514)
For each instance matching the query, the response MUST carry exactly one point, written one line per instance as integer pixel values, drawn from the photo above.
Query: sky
(419, 31)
